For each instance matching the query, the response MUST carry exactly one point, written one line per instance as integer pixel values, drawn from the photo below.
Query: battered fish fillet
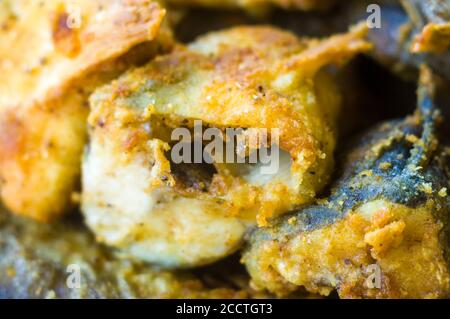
(257, 5)
(41, 261)
(383, 232)
(183, 215)
(53, 54)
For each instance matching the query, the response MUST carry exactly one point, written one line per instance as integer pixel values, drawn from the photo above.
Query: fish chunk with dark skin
(386, 216)
(37, 261)
(184, 215)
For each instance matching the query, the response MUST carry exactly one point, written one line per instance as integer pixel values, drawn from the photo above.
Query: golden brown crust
(36, 257)
(48, 70)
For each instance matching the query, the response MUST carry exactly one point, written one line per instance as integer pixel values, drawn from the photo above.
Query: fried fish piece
(433, 18)
(382, 233)
(41, 261)
(137, 198)
(53, 54)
